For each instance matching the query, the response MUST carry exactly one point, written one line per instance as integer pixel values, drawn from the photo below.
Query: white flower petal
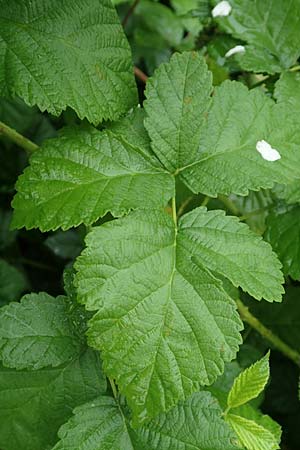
(234, 50)
(267, 152)
(222, 9)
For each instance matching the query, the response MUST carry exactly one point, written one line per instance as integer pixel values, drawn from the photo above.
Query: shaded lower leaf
(37, 332)
(34, 404)
(195, 424)
(12, 282)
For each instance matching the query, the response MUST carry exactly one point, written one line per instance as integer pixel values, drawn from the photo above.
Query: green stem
(113, 388)
(184, 205)
(174, 210)
(295, 68)
(229, 204)
(205, 201)
(267, 334)
(254, 213)
(18, 138)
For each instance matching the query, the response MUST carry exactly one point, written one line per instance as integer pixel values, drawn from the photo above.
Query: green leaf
(229, 248)
(270, 27)
(250, 383)
(76, 56)
(34, 404)
(84, 174)
(98, 425)
(195, 424)
(12, 282)
(211, 142)
(37, 333)
(160, 311)
(161, 20)
(252, 435)
(7, 236)
(65, 244)
(283, 233)
(178, 96)
(287, 90)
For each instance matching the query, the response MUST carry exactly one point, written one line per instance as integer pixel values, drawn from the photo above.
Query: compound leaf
(160, 311)
(36, 333)
(82, 175)
(212, 143)
(270, 27)
(230, 248)
(287, 90)
(34, 404)
(250, 383)
(66, 55)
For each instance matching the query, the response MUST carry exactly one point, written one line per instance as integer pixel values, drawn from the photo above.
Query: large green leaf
(283, 232)
(212, 143)
(251, 435)
(250, 383)
(165, 325)
(271, 27)
(228, 247)
(37, 333)
(34, 404)
(82, 175)
(66, 55)
(195, 424)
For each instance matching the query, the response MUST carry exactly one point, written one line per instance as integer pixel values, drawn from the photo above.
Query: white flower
(222, 9)
(234, 50)
(267, 152)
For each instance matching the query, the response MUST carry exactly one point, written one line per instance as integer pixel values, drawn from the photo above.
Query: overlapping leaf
(165, 325)
(212, 143)
(37, 333)
(283, 233)
(271, 28)
(61, 55)
(194, 424)
(34, 404)
(82, 175)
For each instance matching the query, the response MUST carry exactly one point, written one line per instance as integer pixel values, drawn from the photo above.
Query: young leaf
(34, 404)
(251, 435)
(283, 233)
(37, 333)
(73, 55)
(213, 143)
(250, 383)
(160, 312)
(194, 424)
(228, 247)
(270, 27)
(82, 175)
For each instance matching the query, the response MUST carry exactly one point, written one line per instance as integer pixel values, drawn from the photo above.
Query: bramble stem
(295, 68)
(229, 204)
(246, 316)
(174, 210)
(129, 13)
(140, 74)
(18, 138)
(184, 205)
(113, 387)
